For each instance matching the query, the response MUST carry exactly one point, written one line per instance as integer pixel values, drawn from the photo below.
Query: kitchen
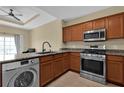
(88, 46)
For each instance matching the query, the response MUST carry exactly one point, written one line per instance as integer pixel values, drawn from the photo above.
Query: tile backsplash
(110, 44)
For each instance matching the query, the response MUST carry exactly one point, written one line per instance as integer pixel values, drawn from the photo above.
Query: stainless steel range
(93, 63)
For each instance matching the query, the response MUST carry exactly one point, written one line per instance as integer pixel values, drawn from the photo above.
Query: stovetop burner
(94, 51)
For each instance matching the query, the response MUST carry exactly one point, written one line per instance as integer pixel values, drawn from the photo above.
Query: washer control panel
(18, 64)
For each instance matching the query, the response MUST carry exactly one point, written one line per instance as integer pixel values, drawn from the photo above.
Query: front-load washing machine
(24, 73)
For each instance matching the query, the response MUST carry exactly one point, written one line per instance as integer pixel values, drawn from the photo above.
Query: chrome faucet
(43, 49)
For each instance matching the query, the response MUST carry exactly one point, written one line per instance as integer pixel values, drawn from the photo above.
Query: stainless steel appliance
(95, 35)
(43, 49)
(23, 73)
(93, 64)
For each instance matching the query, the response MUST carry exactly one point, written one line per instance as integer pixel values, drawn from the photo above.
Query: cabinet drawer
(75, 54)
(65, 54)
(58, 59)
(57, 56)
(46, 58)
(115, 58)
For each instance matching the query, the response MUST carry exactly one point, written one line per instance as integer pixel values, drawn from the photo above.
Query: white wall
(51, 32)
(24, 33)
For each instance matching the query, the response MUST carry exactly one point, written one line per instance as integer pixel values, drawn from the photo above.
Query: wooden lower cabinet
(75, 62)
(115, 69)
(53, 66)
(50, 69)
(58, 67)
(0, 75)
(46, 72)
(66, 62)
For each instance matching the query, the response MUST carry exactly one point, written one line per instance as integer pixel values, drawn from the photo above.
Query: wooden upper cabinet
(115, 26)
(99, 23)
(83, 30)
(77, 32)
(73, 33)
(88, 26)
(66, 34)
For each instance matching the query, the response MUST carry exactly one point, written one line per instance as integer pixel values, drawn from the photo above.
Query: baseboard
(74, 71)
(121, 85)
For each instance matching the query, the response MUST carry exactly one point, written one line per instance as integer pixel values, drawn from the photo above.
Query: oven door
(93, 66)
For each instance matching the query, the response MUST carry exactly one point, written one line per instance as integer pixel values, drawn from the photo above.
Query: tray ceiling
(36, 16)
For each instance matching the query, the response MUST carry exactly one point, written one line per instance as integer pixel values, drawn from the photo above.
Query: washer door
(23, 78)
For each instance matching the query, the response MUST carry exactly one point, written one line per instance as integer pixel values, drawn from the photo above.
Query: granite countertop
(108, 51)
(115, 52)
(25, 56)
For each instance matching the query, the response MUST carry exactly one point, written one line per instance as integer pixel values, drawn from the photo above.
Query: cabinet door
(99, 23)
(46, 72)
(115, 71)
(88, 26)
(58, 67)
(77, 33)
(83, 30)
(0, 75)
(66, 62)
(115, 26)
(75, 63)
(67, 34)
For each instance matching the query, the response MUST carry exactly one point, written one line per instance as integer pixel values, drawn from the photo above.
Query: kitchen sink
(48, 52)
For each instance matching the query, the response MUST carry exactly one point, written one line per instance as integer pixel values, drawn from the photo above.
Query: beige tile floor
(72, 79)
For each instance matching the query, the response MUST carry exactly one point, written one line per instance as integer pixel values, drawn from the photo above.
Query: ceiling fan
(10, 13)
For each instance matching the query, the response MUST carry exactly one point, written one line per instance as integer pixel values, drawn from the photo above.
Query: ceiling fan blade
(4, 15)
(16, 18)
(4, 11)
(18, 14)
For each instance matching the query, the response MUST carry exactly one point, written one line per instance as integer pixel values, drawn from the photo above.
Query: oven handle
(93, 58)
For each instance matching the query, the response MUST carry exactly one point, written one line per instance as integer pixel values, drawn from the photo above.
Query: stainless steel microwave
(95, 35)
